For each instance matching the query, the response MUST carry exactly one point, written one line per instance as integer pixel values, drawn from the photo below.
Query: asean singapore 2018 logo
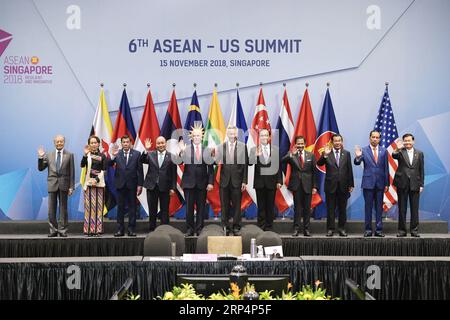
(22, 69)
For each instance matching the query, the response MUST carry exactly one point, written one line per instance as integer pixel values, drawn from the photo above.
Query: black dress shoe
(379, 234)
(63, 235)
(306, 233)
(367, 234)
(52, 235)
(189, 234)
(342, 233)
(401, 234)
(330, 233)
(296, 233)
(415, 235)
(118, 234)
(131, 234)
(237, 232)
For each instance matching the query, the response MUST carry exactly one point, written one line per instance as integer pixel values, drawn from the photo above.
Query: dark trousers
(336, 199)
(266, 203)
(195, 197)
(53, 199)
(302, 208)
(232, 209)
(373, 198)
(403, 195)
(153, 196)
(126, 196)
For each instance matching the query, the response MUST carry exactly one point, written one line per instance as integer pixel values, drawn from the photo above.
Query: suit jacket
(234, 171)
(128, 175)
(375, 175)
(272, 165)
(409, 175)
(196, 175)
(165, 177)
(335, 176)
(65, 178)
(305, 177)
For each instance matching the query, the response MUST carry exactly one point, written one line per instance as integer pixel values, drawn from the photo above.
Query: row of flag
(215, 134)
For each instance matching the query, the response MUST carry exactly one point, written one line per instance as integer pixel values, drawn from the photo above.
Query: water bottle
(174, 249)
(253, 248)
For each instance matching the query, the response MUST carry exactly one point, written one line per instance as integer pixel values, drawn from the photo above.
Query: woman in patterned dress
(95, 163)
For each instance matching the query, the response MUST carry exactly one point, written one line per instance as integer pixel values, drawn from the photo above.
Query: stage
(33, 266)
(29, 239)
(13, 246)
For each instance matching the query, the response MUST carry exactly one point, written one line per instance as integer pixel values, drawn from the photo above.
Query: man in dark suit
(128, 180)
(409, 180)
(267, 178)
(232, 156)
(338, 183)
(160, 180)
(197, 180)
(375, 181)
(60, 183)
(302, 183)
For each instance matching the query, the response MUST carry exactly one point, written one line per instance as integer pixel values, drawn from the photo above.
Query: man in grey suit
(60, 183)
(232, 156)
(409, 181)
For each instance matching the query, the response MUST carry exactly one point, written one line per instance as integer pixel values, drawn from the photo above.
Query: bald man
(160, 180)
(60, 183)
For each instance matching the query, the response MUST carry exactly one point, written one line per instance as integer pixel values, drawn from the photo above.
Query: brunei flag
(102, 128)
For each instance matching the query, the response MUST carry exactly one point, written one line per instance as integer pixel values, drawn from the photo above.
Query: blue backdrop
(53, 55)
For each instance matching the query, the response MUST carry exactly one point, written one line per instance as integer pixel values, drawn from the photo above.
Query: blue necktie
(337, 158)
(58, 161)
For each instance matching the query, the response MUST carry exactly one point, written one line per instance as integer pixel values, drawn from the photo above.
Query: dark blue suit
(127, 178)
(375, 178)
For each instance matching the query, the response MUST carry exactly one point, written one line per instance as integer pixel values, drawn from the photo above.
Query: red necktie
(301, 159)
(197, 153)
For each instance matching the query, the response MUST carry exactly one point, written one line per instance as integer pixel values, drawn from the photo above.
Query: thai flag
(285, 127)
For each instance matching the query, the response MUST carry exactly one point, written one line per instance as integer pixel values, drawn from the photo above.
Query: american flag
(385, 124)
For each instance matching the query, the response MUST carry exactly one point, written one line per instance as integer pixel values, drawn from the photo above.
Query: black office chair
(175, 236)
(202, 240)
(268, 239)
(158, 243)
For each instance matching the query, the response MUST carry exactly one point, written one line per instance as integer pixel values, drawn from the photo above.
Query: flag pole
(283, 215)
